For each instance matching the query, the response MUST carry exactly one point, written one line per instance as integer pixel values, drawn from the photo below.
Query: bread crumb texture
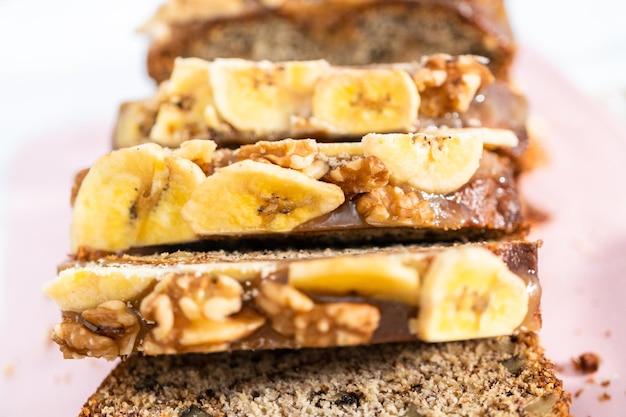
(490, 377)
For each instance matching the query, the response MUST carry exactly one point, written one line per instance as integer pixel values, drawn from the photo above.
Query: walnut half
(301, 155)
(449, 84)
(108, 330)
(287, 153)
(196, 313)
(393, 205)
(360, 175)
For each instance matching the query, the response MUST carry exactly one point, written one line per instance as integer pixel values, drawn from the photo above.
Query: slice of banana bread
(342, 31)
(234, 101)
(201, 302)
(385, 189)
(490, 377)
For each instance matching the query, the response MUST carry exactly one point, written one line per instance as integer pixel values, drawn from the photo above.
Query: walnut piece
(108, 330)
(76, 341)
(197, 312)
(336, 324)
(316, 325)
(390, 205)
(287, 153)
(115, 320)
(275, 298)
(360, 175)
(281, 303)
(449, 84)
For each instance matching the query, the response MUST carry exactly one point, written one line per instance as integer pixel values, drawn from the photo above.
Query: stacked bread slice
(345, 32)
(301, 237)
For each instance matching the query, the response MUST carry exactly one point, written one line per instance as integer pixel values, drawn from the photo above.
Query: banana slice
(115, 196)
(336, 149)
(84, 287)
(133, 196)
(263, 97)
(379, 276)
(432, 163)
(363, 101)
(469, 293)
(492, 138)
(250, 196)
(78, 289)
(164, 222)
(188, 93)
(128, 127)
(170, 126)
(190, 76)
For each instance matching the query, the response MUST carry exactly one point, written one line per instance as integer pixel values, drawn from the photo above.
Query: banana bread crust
(344, 32)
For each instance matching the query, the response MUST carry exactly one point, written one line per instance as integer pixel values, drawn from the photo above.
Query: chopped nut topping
(340, 324)
(393, 205)
(316, 325)
(449, 84)
(275, 298)
(111, 315)
(360, 175)
(109, 330)
(77, 341)
(160, 310)
(287, 153)
(115, 320)
(281, 303)
(192, 310)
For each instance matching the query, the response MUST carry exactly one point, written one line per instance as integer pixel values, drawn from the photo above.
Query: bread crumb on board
(9, 370)
(604, 397)
(587, 362)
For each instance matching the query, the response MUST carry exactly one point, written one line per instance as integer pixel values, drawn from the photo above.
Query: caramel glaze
(489, 201)
(519, 256)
